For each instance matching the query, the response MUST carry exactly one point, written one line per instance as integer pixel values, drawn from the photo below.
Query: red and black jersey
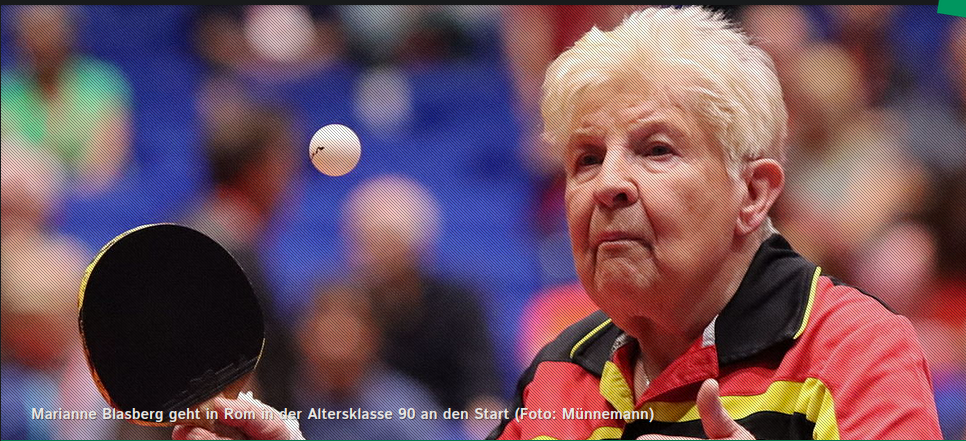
(797, 354)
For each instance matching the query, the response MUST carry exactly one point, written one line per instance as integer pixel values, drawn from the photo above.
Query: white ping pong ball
(334, 150)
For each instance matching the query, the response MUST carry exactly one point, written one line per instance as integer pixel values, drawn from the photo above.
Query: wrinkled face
(651, 208)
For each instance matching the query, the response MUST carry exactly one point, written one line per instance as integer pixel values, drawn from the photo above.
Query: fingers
(715, 419)
(180, 432)
(184, 432)
(253, 428)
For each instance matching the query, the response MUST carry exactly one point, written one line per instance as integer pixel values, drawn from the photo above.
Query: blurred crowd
(428, 277)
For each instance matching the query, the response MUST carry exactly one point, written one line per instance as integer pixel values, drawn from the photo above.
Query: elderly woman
(672, 127)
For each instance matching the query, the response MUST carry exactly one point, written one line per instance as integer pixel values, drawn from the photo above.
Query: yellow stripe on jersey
(599, 433)
(615, 389)
(810, 398)
(588, 336)
(811, 300)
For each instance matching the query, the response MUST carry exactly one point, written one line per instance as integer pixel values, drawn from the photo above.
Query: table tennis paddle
(169, 321)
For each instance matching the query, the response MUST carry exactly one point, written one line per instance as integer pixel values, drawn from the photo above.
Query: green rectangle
(952, 7)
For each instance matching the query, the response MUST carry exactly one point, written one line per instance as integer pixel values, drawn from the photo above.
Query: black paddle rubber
(168, 319)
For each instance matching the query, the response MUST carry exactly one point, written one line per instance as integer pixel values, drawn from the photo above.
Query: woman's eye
(659, 150)
(589, 159)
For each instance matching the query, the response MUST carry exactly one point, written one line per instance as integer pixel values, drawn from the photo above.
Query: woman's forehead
(601, 112)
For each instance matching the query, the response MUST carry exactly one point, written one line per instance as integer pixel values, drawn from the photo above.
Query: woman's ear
(764, 180)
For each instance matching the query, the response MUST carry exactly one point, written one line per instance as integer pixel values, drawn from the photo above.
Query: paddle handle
(214, 425)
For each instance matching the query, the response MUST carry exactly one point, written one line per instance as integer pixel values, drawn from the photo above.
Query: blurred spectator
(42, 357)
(947, 304)
(897, 267)
(43, 361)
(340, 344)
(33, 187)
(936, 119)
(865, 33)
(63, 103)
(383, 102)
(269, 41)
(848, 177)
(434, 329)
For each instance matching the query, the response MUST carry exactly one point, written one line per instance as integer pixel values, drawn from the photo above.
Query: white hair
(719, 74)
